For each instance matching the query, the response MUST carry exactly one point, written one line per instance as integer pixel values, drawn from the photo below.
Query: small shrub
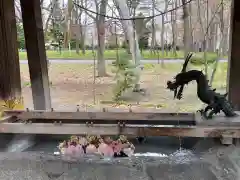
(27, 84)
(126, 76)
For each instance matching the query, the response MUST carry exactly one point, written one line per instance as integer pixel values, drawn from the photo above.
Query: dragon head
(171, 85)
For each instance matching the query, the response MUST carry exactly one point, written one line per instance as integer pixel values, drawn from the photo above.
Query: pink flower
(91, 149)
(117, 147)
(69, 150)
(79, 150)
(105, 150)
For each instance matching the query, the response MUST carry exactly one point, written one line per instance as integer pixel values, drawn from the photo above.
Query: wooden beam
(80, 129)
(37, 61)
(99, 117)
(234, 56)
(149, 118)
(10, 81)
(109, 117)
(58, 115)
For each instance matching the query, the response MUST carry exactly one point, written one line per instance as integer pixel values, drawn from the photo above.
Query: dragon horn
(186, 62)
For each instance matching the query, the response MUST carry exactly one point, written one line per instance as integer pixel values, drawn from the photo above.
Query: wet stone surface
(205, 160)
(178, 166)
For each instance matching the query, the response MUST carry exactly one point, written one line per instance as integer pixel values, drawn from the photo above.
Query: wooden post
(37, 61)
(234, 56)
(10, 81)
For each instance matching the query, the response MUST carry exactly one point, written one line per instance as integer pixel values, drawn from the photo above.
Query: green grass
(108, 54)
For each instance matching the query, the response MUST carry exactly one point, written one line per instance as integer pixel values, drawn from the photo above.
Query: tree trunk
(153, 41)
(166, 44)
(78, 22)
(128, 26)
(125, 32)
(52, 4)
(211, 38)
(162, 37)
(219, 55)
(127, 43)
(68, 22)
(186, 29)
(10, 80)
(190, 27)
(83, 32)
(163, 33)
(77, 45)
(101, 68)
(173, 21)
(82, 42)
(204, 34)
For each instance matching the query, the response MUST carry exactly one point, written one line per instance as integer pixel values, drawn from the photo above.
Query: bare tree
(174, 26)
(83, 29)
(153, 41)
(190, 26)
(132, 36)
(53, 5)
(81, 26)
(221, 44)
(77, 18)
(162, 33)
(68, 21)
(100, 23)
(101, 8)
(186, 36)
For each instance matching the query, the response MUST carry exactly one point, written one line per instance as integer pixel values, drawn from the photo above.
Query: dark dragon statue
(216, 102)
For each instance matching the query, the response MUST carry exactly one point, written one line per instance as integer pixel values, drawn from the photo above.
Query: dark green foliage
(20, 36)
(143, 42)
(57, 35)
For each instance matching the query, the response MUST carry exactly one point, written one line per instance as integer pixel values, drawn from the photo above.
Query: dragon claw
(179, 96)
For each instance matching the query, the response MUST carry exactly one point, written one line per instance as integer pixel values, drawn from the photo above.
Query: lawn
(109, 54)
(73, 84)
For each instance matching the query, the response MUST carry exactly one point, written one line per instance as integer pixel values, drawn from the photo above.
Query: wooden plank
(36, 54)
(6, 119)
(114, 121)
(220, 123)
(128, 116)
(10, 81)
(221, 120)
(233, 87)
(115, 130)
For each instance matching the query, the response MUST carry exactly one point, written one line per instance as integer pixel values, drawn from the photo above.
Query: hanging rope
(132, 18)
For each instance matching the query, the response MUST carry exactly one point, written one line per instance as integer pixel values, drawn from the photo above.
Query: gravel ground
(198, 160)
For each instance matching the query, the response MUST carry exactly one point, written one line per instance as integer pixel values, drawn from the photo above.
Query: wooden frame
(152, 118)
(102, 115)
(33, 124)
(112, 129)
(36, 53)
